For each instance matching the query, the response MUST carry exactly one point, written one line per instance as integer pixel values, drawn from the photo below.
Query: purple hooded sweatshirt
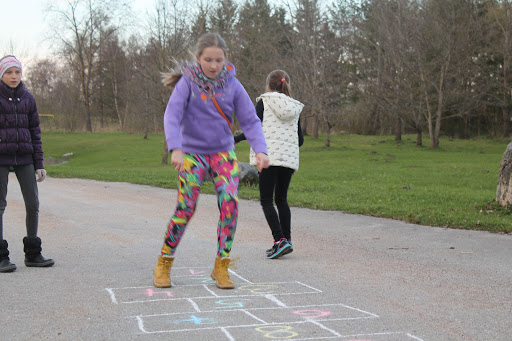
(20, 135)
(193, 124)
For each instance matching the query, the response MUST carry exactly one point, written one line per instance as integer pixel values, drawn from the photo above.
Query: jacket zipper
(17, 133)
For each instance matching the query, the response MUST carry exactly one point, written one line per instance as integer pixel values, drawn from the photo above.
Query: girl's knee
(32, 206)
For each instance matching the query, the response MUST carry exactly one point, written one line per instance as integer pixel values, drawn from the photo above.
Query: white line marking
(274, 308)
(260, 325)
(276, 301)
(254, 317)
(141, 324)
(362, 311)
(344, 336)
(112, 295)
(271, 297)
(131, 288)
(414, 337)
(307, 286)
(211, 291)
(237, 275)
(324, 327)
(200, 284)
(215, 295)
(227, 334)
(194, 305)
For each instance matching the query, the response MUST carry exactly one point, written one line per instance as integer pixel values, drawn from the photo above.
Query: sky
(24, 28)
(22, 23)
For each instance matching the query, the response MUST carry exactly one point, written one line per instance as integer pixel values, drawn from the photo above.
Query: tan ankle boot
(162, 272)
(220, 273)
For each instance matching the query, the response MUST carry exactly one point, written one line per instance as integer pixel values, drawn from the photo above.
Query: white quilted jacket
(280, 121)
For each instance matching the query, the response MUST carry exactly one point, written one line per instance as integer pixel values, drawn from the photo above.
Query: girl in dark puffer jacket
(20, 151)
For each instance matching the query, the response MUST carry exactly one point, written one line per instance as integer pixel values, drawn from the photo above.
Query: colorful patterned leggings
(223, 170)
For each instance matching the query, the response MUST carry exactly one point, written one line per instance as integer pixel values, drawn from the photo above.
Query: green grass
(454, 186)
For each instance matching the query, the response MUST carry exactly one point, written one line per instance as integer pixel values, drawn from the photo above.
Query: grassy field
(454, 186)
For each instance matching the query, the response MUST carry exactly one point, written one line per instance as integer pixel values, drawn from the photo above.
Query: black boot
(5, 264)
(33, 257)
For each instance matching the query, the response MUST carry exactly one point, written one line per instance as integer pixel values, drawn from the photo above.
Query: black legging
(276, 179)
(27, 180)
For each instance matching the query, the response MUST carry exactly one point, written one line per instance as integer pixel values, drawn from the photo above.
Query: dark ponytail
(279, 81)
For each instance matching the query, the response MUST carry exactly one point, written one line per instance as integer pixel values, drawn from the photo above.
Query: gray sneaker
(279, 249)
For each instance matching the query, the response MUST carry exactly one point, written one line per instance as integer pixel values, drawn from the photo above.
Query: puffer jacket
(20, 135)
(280, 120)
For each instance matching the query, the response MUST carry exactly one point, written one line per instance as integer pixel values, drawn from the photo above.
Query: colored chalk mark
(331, 312)
(150, 293)
(194, 272)
(254, 311)
(196, 320)
(311, 313)
(277, 332)
(235, 303)
(227, 303)
(205, 290)
(296, 331)
(223, 319)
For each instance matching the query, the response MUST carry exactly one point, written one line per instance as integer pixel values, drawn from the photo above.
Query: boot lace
(224, 266)
(165, 266)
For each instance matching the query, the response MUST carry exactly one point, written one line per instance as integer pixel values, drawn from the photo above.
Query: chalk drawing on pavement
(251, 311)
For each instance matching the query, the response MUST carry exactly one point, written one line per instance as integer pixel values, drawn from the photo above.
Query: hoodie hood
(284, 107)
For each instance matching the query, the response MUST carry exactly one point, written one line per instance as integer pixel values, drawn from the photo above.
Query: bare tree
(369, 66)
(419, 56)
(395, 90)
(499, 38)
(306, 44)
(168, 41)
(79, 33)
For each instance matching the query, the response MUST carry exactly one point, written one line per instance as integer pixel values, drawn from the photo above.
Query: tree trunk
(439, 112)
(315, 127)
(304, 125)
(398, 129)
(419, 137)
(328, 138)
(430, 130)
(102, 108)
(146, 126)
(437, 130)
(467, 127)
(88, 117)
(374, 123)
(506, 121)
(85, 92)
(116, 102)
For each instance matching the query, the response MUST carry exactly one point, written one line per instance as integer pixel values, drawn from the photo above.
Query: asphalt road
(350, 277)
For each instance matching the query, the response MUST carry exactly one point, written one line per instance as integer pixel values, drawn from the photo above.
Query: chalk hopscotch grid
(334, 334)
(224, 294)
(212, 293)
(175, 269)
(246, 311)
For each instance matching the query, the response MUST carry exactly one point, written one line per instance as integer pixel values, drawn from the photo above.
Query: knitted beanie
(8, 62)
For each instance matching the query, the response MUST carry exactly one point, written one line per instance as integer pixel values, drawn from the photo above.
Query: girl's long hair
(169, 79)
(278, 80)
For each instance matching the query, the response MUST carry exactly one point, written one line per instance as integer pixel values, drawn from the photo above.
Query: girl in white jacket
(280, 115)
